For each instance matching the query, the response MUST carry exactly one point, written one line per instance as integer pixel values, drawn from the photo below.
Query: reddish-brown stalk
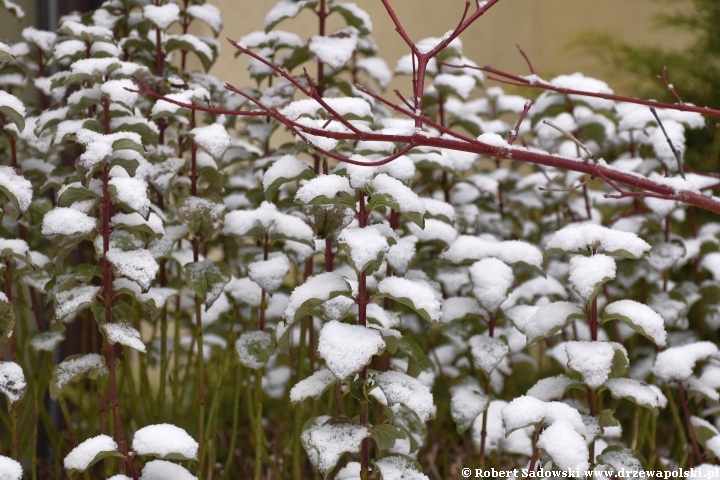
(362, 301)
(108, 304)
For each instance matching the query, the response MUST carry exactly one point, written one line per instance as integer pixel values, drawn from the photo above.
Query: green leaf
(254, 349)
(326, 439)
(417, 360)
(202, 216)
(281, 179)
(620, 363)
(128, 144)
(607, 418)
(12, 382)
(637, 316)
(287, 11)
(386, 435)
(6, 57)
(73, 369)
(17, 118)
(621, 458)
(148, 135)
(388, 467)
(394, 287)
(297, 56)
(129, 164)
(354, 17)
(411, 206)
(7, 321)
(207, 279)
(75, 192)
(466, 403)
(178, 43)
(326, 220)
(99, 456)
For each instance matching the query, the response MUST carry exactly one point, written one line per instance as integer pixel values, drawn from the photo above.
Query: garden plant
(311, 276)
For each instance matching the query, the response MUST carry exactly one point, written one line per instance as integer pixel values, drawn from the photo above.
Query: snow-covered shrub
(462, 278)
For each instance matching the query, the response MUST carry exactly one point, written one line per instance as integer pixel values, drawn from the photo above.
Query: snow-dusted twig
(669, 86)
(672, 147)
(514, 132)
(572, 138)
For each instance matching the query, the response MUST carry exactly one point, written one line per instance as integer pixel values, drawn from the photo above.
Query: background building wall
(542, 27)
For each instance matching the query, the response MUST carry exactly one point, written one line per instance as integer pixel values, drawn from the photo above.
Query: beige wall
(542, 27)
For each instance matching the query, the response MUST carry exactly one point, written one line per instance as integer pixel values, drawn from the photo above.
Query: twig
(514, 133)
(527, 59)
(672, 147)
(572, 137)
(568, 189)
(669, 86)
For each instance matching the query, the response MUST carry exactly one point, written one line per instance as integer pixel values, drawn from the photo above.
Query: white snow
(401, 254)
(422, 296)
(244, 291)
(335, 51)
(434, 231)
(250, 342)
(135, 220)
(318, 287)
(491, 278)
(628, 387)
(456, 308)
(46, 341)
(270, 273)
(67, 369)
(11, 101)
(466, 403)
(164, 441)
(137, 265)
(487, 352)
(284, 9)
(549, 319)
(677, 363)
(577, 238)
(12, 381)
(407, 200)
(312, 386)
(377, 68)
(213, 138)
(468, 248)
(70, 300)
(587, 274)
(326, 185)
(565, 446)
(82, 456)
(346, 348)
(163, 15)
(402, 388)
(209, 14)
(343, 106)
(325, 442)
(593, 360)
(17, 185)
(287, 166)
(638, 316)
(116, 91)
(10, 469)
(164, 470)
(550, 388)
(124, 334)
(399, 468)
(366, 245)
(133, 193)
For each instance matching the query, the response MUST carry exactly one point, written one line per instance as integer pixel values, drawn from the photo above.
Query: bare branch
(527, 59)
(573, 138)
(672, 147)
(514, 133)
(669, 86)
